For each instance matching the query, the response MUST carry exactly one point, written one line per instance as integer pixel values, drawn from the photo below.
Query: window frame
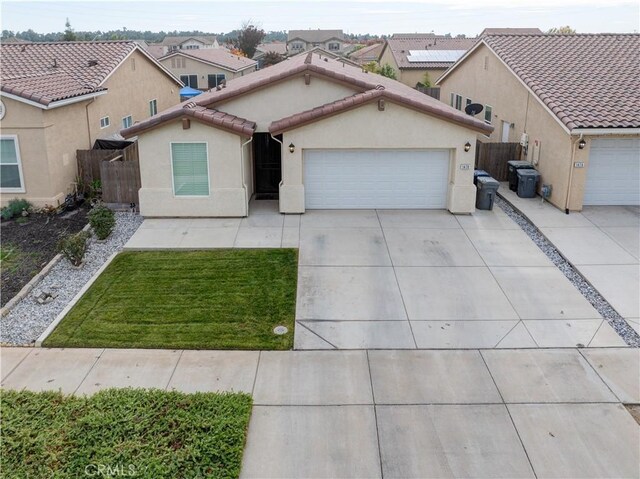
(108, 124)
(16, 144)
(173, 182)
(459, 98)
(224, 77)
(124, 118)
(337, 46)
(189, 80)
(452, 101)
(153, 107)
(488, 109)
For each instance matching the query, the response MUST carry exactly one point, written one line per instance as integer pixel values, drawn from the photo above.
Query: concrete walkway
(601, 242)
(473, 413)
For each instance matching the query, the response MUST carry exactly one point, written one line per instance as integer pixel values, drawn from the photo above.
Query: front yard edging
(72, 303)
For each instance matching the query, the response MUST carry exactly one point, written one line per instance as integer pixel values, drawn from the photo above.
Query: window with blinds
(190, 168)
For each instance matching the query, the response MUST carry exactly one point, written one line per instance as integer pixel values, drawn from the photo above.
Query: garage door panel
(613, 175)
(342, 179)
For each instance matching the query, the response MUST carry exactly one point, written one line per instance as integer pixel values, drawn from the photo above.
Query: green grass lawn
(217, 299)
(135, 432)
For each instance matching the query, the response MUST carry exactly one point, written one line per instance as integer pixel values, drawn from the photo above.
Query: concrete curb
(72, 303)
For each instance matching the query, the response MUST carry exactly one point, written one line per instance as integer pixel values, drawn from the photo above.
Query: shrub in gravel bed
(102, 221)
(14, 208)
(74, 247)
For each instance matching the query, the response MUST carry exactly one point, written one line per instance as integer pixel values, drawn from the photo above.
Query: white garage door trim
(613, 174)
(376, 178)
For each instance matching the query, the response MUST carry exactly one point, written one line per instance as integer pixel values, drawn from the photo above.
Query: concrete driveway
(395, 279)
(601, 242)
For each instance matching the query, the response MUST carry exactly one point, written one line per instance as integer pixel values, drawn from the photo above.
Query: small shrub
(16, 207)
(102, 220)
(73, 247)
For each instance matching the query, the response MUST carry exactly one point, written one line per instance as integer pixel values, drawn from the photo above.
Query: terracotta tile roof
(314, 36)
(511, 31)
(400, 44)
(367, 54)
(441, 110)
(318, 65)
(156, 50)
(49, 72)
(277, 47)
(218, 56)
(189, 109)
(587, 81)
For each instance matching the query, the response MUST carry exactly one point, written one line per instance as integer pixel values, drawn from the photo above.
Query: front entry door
(268, 166)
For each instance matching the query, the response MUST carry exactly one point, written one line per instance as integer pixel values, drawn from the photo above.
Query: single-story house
(207, 68)
(314, 133)
(60, 97)
(367, 54)
(572, 100)
(415, 55)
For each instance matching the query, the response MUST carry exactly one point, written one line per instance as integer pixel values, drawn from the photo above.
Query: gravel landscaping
(28, 319)
(618, 323)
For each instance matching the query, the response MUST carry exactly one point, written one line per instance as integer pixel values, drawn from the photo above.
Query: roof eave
(55, 103)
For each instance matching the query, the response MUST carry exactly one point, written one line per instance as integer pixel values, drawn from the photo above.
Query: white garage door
(343, 179)
(613, 175)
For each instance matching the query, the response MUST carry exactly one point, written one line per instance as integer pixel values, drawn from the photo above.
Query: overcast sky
(353, 16)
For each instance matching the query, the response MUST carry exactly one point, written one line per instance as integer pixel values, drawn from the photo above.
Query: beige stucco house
(414, 55)
(573, 100)
(207, 68)
(302, 40)
(61, 97)
(313, 132)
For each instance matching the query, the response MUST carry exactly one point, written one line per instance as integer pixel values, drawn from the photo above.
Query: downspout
(246, 194)
(571, 168)
(281, 147)
(86, 110)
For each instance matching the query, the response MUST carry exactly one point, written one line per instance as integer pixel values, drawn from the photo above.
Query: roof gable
(315, 36)
(220, 57)
(584, 81)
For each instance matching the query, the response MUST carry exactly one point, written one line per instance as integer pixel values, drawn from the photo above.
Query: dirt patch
(634, 410)
(29, 244)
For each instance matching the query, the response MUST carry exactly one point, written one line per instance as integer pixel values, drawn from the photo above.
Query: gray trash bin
(486, 193)
(528, 183)
(513, 167)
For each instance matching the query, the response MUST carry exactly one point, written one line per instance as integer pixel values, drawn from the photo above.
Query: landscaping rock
(30, 317)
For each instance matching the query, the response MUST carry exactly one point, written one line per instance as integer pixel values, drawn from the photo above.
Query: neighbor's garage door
(613, 175)
(341, 179)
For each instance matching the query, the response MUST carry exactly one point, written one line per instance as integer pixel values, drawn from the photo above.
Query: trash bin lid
(519, 164)
(487, 181)
(528, 173)
(480, 173)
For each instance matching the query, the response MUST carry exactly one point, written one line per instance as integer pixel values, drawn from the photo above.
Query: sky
(353, 16)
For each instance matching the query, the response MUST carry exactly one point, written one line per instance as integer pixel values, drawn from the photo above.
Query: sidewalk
(482, 413)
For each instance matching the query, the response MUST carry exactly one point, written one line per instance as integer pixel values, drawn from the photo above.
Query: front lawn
(123, 433)
(217, 299)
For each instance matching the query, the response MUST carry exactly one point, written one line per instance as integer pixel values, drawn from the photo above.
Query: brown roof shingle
(49, 72)
(400, 44)
(586, 80)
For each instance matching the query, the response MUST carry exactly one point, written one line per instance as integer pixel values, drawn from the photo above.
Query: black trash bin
(513, 167)
(477, 174)
(487, 188)
(528, 183)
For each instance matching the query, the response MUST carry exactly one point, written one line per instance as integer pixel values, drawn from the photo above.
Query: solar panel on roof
(416, 56)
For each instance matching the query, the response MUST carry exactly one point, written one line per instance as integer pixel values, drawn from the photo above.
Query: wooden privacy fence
(117, 170)
(493, 157)
(433, 92)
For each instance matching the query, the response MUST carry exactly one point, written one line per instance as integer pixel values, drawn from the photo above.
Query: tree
(387, 71)
(271, 58)
(371, 67)
(249, 38)
(566, 30)
(69, 35)
(426, 80)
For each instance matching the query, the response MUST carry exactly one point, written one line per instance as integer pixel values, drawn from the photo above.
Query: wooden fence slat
(493, 158)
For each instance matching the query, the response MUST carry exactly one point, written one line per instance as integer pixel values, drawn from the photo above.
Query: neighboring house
(302, 40)
(412, 55)
(510, 31)
(313, 132)
(61, 97)
(322, 53)
(207, 68)
(576, 98)
(275, 47)
(190, 43)
(368, 54)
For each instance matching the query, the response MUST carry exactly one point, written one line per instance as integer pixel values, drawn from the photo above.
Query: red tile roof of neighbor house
(401, 44)
(218, 56)
(586, 80)
(48, 72)
(276, 47)
(334, 70)
(368, 53)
